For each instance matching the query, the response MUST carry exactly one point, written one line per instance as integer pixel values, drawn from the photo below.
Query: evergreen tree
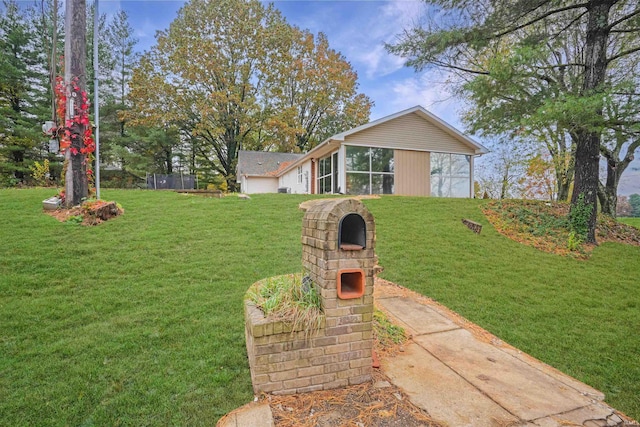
(22, 94)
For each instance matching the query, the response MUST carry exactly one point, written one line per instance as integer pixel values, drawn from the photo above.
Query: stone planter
(52, 203)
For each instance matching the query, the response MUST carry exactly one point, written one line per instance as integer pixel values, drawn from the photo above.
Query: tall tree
(310, 90)
(21, 93)
(114, 93)
(234, 75)
(479, 28)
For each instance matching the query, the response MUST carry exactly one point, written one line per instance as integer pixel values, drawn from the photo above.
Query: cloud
(429, 90)
(359, 29)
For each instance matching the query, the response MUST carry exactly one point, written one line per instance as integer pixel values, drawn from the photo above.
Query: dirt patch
(89, 213)
(376, 403)
(545, 226)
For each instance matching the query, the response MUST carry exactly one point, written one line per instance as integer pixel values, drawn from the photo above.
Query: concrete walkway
(464, 376)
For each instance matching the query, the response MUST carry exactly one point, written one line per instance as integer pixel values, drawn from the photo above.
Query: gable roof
(478, 148)
(264, 163)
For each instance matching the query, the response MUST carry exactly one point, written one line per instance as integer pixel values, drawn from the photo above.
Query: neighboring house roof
(264, 163)
(421, 111)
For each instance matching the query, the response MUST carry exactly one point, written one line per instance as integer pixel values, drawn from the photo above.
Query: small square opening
(350, 283)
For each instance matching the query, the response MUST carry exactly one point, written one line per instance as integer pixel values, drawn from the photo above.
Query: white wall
(253, 185)
(290, 179)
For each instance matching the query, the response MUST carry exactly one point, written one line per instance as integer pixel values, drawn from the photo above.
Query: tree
(310, 91)
(21, 92)
(605, 31)
(540, 181)
(233, 75)
(77, 142)
(506, 169)
(634, 201)
(623, 207)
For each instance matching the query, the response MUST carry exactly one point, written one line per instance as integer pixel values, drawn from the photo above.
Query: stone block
(338, 348)
(347, 320)
(325, 360)
(311, 371)
(309, 388)
(323, 379)
(360, 363)
(335, 367)
(363, 344)
(283, 375)
(350, 338)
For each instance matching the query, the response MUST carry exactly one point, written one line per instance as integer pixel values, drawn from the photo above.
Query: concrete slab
(521, 389)
(249, 415)
(416, 318)
(550, 370)
(446, 396)
(597, 413)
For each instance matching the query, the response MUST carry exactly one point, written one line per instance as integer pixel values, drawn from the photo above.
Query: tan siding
(412, 173)
(410, 132)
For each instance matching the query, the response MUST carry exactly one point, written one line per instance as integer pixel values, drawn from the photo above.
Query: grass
(631, 221)
(139, 321)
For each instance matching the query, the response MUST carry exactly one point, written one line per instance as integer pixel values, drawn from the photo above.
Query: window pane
(439, 163)
(460, 165)
(325, 166)
(381, 160)
(459, 187)
(358, 183)
(327, 185)
(357, 158)
(440, 185)
(381, 184)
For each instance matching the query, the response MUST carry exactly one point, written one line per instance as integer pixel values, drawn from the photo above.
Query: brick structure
(338, 255)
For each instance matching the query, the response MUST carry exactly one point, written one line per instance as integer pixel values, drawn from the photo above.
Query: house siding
(290, 179)
(257, 184)
(412, 173)
(410, 132)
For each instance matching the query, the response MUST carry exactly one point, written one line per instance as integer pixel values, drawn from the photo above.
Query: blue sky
(357, 29)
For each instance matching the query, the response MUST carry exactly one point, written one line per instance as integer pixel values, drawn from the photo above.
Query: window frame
(449, 176)
(370, 172)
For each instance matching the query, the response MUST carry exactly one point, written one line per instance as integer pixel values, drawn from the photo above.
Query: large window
(369, 170)
(450, 175)
(324, 175)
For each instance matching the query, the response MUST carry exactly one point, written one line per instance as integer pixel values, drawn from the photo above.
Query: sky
(358, 29)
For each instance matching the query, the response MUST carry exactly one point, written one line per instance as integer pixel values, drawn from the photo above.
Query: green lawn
(631, 221)
(139, 321)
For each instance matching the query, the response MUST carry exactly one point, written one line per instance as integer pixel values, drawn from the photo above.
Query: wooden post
(76, 182)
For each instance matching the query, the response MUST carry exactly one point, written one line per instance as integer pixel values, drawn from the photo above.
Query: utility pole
(75, 47)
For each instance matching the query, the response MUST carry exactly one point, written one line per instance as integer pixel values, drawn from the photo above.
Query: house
(412, 153)
(257, 171)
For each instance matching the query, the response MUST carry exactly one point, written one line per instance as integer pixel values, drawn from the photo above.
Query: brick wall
(286, 361)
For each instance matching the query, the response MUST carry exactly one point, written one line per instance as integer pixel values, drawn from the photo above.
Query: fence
(171, 182)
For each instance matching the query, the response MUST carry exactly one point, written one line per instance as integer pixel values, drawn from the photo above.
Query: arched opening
(352, 233)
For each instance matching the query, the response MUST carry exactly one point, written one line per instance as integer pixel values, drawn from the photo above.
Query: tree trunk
(76, 181)
(563, 191)
(588, 141)
(608, 194)
(608, 199)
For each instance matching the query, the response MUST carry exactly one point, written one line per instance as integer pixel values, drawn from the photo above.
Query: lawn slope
(139, 321)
